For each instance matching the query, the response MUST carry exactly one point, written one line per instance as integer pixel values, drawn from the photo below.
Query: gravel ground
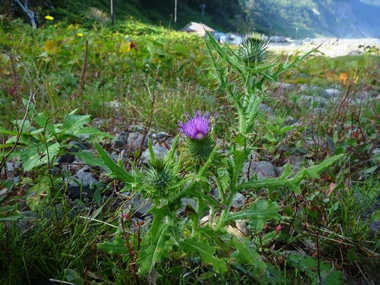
(330, 47)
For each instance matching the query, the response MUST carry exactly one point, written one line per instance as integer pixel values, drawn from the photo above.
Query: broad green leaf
(371, 169)
(7, 132)
(206, 252)
(35, 156)
(89, 159)
(73, 122)
(91, 131)
(7, 208)
(10, 218)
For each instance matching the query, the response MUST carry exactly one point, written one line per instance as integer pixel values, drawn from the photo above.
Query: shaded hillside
(218, 14)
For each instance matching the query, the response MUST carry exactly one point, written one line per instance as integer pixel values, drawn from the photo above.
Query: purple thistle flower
(198, 127)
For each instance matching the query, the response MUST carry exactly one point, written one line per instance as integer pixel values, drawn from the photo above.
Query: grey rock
(238, 201)
(374, 229)
(289, 121)
(355, 52)
(314, 90)
(159, 152)
(10, 166)
(135, 141)
(286, 86)
(266, 109)
(185, 202)
(295, 162)
(82, 183)
(332, 93)
(136, 128)
(279, 170)
(139, 206)
(308, 100)
(120, 140)
(261, 169)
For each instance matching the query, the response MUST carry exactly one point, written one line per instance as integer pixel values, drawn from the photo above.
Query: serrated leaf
(115, 247)
(153, 251)
(272, 183)
(259, 210)
(246, 255)
(206, 252)
(315, 169)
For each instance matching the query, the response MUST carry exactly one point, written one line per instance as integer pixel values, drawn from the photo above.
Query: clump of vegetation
(309, 225)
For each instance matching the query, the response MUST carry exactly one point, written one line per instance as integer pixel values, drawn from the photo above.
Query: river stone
(159, 152)
(332, 93)
(374, 229)
(120, 140)
(139, 206)
(238, 201)
(266, 109)
(86, 180)
(135, 140)
(261, 169)
(307, 100)
(314, 90)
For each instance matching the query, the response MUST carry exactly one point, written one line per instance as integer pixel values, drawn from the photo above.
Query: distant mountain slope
(310, 18)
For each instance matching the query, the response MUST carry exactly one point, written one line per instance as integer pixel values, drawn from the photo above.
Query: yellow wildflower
(79, 34)
(50, 18)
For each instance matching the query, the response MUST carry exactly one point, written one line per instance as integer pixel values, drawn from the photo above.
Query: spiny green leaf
(262, 209)
(153, 251)
(246, 255)
(116, 247)
(206, 252)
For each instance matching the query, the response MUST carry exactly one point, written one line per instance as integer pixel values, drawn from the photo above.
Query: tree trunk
(30, 13)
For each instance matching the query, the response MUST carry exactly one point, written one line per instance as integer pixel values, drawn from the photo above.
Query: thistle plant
(162, 181)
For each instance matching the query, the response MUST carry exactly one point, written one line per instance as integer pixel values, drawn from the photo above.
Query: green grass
(169, 75)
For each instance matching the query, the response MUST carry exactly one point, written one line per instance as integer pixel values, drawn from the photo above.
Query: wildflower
(50, 18)
(198, 127)
(199, 143)
(79, 34)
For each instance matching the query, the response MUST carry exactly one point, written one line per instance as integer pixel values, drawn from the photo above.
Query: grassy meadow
(314, 224)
